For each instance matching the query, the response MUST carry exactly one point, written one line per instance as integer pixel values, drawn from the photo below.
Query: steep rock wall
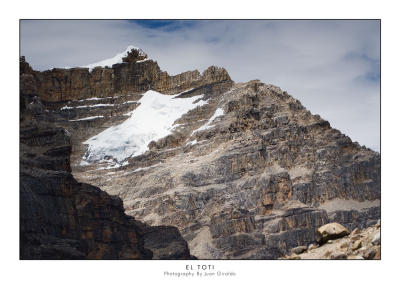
(131, 76)
(61, 218)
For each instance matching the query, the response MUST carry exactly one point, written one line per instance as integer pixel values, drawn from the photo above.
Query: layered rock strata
(251, 174)
(133, 75)
(61, 218)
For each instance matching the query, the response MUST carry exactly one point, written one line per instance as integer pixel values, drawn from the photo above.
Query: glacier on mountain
(153, 119)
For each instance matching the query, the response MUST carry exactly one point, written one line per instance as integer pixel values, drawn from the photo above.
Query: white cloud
(327, 65)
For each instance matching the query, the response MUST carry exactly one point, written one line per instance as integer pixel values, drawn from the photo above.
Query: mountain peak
(131, 54)
(134, 54)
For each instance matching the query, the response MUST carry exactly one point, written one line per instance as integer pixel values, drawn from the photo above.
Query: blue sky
(166, 25)
(332, 67)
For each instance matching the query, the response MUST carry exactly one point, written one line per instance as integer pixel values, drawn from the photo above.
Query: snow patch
(84, 163)
(112, 165)
(114, 60)
(141, 169)
(87, 106)
(66, 107)
(95, 105)
(193, 142)
(207, 125)
(142, 60)
(201, 102)
(95, 98)
(87, 118)
(146, 168)
(153, 119)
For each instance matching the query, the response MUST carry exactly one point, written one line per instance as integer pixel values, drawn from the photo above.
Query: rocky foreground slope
(61, 218)
(358, 245)
(247, 172)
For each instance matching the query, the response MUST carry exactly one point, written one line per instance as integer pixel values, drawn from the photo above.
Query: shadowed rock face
(61, 218)
(257, 181)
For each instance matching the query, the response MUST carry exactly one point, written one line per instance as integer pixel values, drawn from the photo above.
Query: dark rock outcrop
(61, 218)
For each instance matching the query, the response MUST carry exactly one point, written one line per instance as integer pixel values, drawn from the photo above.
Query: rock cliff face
(135, 74)
(249, 174)
(61, 218)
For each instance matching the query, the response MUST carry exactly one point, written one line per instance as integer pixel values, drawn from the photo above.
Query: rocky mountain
(61, 218)
(243, 170)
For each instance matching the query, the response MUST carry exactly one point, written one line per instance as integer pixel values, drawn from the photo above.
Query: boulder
(339, 256)
(312, 247)
(376, 240)
(345, 245)
(370, 253)
(356, 245)
(355, 257)
(330, 231)
(299, 250)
